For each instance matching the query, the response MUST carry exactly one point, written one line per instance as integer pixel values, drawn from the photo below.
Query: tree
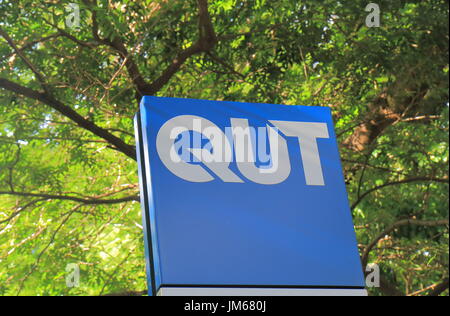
(68, 94)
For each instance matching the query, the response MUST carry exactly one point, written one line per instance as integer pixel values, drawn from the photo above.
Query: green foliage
(390, 83)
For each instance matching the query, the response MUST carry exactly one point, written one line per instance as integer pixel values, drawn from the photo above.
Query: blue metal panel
(248, 234)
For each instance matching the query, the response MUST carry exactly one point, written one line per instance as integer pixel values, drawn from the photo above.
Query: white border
(194, 291)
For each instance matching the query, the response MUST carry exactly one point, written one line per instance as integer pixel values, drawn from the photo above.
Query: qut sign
(219, 154)
(244, 199)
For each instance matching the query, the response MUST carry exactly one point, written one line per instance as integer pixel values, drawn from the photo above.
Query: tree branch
(138, 80)
(390, 229)
(421, 118)
(47, 98)
(206, 42)
(128, 293)
(39, 257)
(20, 210)
(440, 288)
(118, 45)
(418, 179)
(32, 43)
(11, 43)
(225, 65)
(71, 37)
(389, 289)
(88, 201)
(68, 112)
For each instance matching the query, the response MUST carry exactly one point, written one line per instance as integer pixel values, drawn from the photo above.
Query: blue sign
(244, 195)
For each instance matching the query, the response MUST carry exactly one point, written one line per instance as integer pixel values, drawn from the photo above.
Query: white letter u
(280, 168)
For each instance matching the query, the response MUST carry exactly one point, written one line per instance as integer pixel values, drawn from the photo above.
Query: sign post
(244, 199)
